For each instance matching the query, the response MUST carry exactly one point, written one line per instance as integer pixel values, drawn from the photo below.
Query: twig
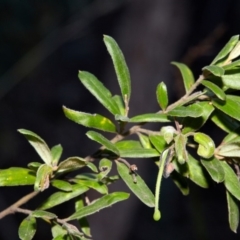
(17, 204)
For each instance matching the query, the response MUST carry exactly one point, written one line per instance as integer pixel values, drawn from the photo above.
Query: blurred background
(44, 43)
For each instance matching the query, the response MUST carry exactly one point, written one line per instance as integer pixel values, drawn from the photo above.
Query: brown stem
(17, 204)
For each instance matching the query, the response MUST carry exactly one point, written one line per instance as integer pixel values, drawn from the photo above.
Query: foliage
(180, 150)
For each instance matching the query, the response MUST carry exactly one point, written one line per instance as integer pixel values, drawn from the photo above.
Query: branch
(17, 204)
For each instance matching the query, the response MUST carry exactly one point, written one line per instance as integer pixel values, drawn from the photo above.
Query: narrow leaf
(226, 49)
(128, 145)
(214, 168)
(233, 212)
(224, 122)
(16, 176)
(138, 153)
(99, 91)
(120, 66)
(231, 181)
(231, 80)
(105, 167)
(214, 70)
(150, 117)
(34, 165)
(90, 120)
(187, 75)
(180, 148)
(235, 52)
(196, 172)
(27, 228)
(57, 230)
(43, 177)
(193, 110)
(215, 89)
(98, 186)
(144, 141)
(158, 142)
(162, 95)
(61, 197)
(229, 106)
(190, 126)
(103, 141)
(232, 65)
(180, 182)
(119, 102)
(61, 185)
(43, 214)
(39, 145)
(140, 189)
(71, 164)
(56, 152)
(99, 204)
(229, 150)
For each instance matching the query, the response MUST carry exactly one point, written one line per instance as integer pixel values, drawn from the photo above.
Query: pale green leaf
(180, 148)
(139, 188)
(214, 168)
(214, 70)
(16, 176)
(162, 95)
(226, 49)
(61, 185)
(56, 152)
(215, 89)
(71, 164)
(105, 167)
(188, 78)
(158, 142)
(103, 141)
(119, 102)
(150, 117)
(99, 204)
(231, 181)
(233, 212)
(39, 145)
(144, 141)
(231, 80)
(43, 214)
(120, 66)
(43, 177)
(90, 120)
(61, 197)
(99, 91)
(196, 172)
(229, 150)
(27, 228)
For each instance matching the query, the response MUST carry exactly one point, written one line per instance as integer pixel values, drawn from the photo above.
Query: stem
(163, 159)
(17, 204)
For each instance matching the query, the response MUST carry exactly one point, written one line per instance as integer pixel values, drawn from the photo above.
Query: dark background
(44, 43)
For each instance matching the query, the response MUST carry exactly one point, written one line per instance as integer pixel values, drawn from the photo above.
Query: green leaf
(99, 91)
(27, 228)
(196, 172)
(193, 111)
(215, 89)
(140, 189)
(103, 141)
(61, 197)
(99, 204)
(62, 185)
(190, 125)
(187, 75)
(121, 118)
(90, 120)
(232, 80)
(34, 165)
(128, 145)
(98, 186)
(235, 52)
(233, 212)
(158, 142)
(214, 70)
(232, 65)
(144, 141)
(224, 122)
(229, 107)
(56, 152)
(71, 164)
(231, 181)
(214, 168)
(150, 117)
(119, 102)
(43, 177)
(16, 176)
(180, 148)
(79, 204)
(168, 133)
(162, 95)
(229, 150)
(226, 49)
(39, 145)
(120, 66)
(43, 214)
(105, 167)
(138, 153)
(57, 230)
(180, 182)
